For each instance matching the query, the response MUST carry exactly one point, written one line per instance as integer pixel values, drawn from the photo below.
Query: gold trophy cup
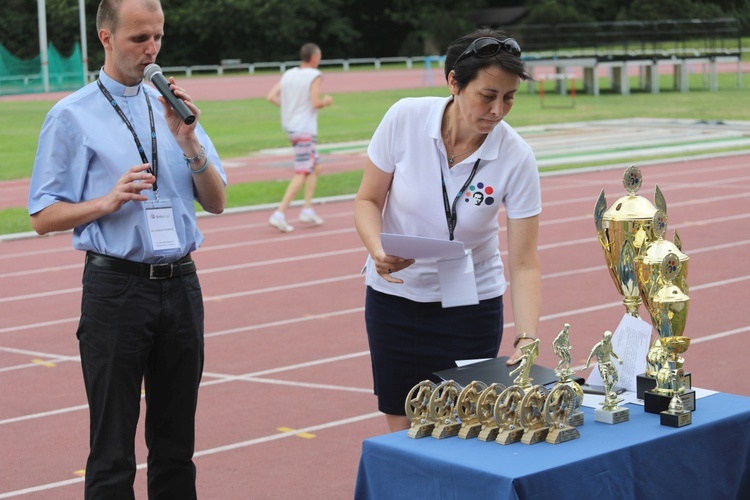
(622, 230)
(669, 309)
(648, 268)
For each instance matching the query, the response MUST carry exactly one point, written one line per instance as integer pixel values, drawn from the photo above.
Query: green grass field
(241, 127)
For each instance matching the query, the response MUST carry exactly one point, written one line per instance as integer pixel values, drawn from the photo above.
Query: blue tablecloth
(638, 459)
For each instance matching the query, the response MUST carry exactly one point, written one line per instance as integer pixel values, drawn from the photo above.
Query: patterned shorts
(305, 152)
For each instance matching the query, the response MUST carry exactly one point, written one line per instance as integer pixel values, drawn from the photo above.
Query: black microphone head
(151, 70)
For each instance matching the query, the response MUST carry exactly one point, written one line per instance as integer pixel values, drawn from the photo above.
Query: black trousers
(136, 331)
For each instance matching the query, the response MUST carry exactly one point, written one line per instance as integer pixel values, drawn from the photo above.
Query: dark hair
(467, 70)
(307, 51)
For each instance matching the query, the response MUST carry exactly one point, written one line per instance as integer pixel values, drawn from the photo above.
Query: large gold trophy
(648, 268)
(623, 229)
(669, 309)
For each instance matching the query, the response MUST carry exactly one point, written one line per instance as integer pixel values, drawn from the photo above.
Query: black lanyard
(450, 210)
(144, 159)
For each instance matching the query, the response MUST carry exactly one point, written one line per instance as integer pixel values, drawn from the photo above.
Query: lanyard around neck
(154, 164)
(450, 210)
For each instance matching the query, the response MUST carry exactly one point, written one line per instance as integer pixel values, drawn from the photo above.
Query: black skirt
(409, 341)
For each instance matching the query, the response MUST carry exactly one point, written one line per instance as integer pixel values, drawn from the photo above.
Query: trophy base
(679, 419)
(562, 434)
(657, 403)
(509, 436)
(421, 430)
(575, 419)
(645, 383)
(442, 431)
(488, 433)
(532, 436)
(469, 431)
(612, 416)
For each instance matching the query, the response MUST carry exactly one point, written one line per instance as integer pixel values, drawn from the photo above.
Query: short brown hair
(108, 13)
(307, 51)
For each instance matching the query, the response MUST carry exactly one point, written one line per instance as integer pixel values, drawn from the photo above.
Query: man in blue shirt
(120, 168)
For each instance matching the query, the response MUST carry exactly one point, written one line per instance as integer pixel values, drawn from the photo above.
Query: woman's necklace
(452, 158)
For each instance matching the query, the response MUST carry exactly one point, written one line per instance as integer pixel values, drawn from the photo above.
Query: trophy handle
(659, 201)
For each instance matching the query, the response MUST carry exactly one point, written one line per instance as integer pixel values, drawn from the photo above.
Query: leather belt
(152, 271)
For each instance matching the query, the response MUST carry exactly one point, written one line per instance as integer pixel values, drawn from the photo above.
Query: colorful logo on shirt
(479, 193)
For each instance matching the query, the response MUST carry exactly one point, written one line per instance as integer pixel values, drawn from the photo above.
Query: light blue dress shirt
(85, 147)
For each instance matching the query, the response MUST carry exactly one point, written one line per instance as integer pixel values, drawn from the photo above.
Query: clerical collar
(116, 88)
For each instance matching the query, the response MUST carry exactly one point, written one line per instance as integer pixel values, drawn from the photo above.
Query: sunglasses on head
(488, 47)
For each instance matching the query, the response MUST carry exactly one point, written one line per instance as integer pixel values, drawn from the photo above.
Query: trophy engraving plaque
(443, 409)
(561, 400)
(610, 413)
(532, 415)
(467, 409)
(486, 411)
(508, 415)
(418, 409)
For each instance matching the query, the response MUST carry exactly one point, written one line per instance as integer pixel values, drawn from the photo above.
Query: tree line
(205, 32)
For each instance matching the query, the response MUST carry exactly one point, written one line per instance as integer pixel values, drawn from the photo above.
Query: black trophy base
(657, 403)
(679, 419)
(645, 383)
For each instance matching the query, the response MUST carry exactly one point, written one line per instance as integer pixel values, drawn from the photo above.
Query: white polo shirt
(408, 144)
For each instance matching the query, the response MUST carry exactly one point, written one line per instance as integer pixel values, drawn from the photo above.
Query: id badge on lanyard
(161, 228)
(458, 284)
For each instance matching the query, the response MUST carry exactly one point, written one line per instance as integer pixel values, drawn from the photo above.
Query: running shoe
(310, 218)
(280, 224)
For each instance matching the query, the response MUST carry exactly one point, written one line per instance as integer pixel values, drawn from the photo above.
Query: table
(638, 459)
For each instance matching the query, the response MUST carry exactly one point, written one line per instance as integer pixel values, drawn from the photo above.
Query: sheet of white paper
(631, 342)
(458, 285)
(466, 362)
(418, 247)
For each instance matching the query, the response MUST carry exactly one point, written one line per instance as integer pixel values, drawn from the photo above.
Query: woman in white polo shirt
(442, 168)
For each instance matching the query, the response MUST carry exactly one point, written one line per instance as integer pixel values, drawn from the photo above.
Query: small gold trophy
(669, 309)
(561, 347)
(648, 266)
(529, 353)
(418, 409)
(676, 415)
(610, 413)
(561, 401)
(532, 415)
(485, 411)
(443, 409)
(467, 409)
(508, 415)
(622, 230)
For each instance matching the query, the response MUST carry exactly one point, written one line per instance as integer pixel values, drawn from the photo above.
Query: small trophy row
(649, 270)
(521, 412)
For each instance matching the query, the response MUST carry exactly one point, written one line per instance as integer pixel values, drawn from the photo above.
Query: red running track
(286, 397)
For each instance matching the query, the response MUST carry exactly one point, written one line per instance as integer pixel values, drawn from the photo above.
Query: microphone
(154, 75)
